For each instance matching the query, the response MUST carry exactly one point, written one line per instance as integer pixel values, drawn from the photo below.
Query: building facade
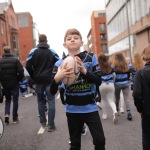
(97, 36)
(18, 31)
(128, 26)
(9, 29)
(28, 34)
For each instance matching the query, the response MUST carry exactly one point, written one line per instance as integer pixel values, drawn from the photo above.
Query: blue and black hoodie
(80, 97)
(40, 63)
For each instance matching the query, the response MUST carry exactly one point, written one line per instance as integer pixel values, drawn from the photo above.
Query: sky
(54, 17)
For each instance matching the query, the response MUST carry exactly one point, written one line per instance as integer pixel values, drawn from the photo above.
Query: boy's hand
(80, 65)
(62, 73)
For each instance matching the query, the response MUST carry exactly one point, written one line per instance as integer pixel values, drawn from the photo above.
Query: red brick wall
(96, 33)
(26, 40)
(3, 40)
(7, 37)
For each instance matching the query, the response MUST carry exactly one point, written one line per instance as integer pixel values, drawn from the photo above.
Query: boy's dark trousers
(146, 131)
(75, 124)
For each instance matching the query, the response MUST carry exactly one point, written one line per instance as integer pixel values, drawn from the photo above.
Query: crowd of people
(103, 79)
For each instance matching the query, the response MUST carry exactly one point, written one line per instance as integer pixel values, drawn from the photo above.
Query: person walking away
(122, 81)
(107, 87)
(141, 94)
(40, 63)
(11, 71)
(80, 105)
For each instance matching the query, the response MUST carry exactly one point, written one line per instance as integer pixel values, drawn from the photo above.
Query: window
(101, 15)
(23, 20)
(103, 37)
(134, 40)
(104, 48)
(102, 27)
(15, 45)
(12, 21)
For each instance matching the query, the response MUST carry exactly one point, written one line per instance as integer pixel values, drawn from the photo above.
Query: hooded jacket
(10, 68)
(40, 63)
(141, 89)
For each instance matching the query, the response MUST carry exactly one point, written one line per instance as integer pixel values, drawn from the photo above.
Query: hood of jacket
(43, 45)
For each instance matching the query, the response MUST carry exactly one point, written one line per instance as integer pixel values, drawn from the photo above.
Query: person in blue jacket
(63, 100)
(122, 81)
(80, 97)
(107, 87)
(40, 63)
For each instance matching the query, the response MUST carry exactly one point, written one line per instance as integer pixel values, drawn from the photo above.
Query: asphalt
(126, 135)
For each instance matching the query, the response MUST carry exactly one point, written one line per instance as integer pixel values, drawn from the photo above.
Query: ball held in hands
(70, 62)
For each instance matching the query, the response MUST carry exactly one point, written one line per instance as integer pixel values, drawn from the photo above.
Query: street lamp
(128, 26)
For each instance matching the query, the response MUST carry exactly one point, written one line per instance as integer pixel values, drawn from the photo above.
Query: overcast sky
(54, 17)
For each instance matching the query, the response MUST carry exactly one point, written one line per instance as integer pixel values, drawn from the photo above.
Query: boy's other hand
(80, 65)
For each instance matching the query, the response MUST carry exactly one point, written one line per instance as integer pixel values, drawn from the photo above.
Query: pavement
(29, 135)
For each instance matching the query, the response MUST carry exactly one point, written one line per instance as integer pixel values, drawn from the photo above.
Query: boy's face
(73, 42)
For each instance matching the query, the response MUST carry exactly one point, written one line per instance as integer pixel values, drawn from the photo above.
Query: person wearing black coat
(141, 95)
(40, 63)
(11, 71)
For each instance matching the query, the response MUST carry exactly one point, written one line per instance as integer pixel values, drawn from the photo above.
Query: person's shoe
(16, 121)
(28, 95)
(6, 120)
(34, 94)
(84, 130)
(43, 124)
(122, 110)
(51, 129)
(129, 116)
(104, 116)
(99, 105)
(115, 119)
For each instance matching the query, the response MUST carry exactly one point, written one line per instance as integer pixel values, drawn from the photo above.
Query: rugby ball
(70, 62)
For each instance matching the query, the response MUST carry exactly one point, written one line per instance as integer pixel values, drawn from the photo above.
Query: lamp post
(128, 27)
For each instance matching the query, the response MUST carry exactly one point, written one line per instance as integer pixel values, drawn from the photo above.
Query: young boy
(80, 105)
(63, 100)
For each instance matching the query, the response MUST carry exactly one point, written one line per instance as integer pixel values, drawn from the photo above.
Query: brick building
(17, 30)
(28, 34)
(97, 36)
(9, 29)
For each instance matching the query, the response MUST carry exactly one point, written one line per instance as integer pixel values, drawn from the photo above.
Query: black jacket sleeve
(20, 70)
(54, 88)
(92, 78)
(137, 92)
(62, 91)
(29, 68)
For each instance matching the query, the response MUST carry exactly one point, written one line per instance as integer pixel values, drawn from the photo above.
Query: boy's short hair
(42, 38)
(146, 53)
(6, 49)
(72, 32)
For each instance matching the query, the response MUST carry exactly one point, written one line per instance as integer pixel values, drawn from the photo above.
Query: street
(28, 134)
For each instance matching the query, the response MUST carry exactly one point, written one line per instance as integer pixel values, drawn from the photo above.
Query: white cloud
(53, 18)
